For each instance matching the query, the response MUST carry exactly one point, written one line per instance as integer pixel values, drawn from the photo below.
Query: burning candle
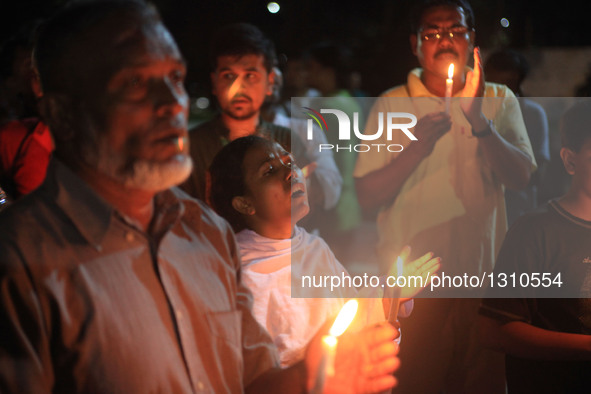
(305, 171)
(330, 342)
(449, 83)
(395, 301)
(329, 348)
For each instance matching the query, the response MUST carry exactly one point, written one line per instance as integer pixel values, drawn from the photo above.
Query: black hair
(508, 60)
(242, 39)
(227, 178)
(24, 38)
(420, 7)
(75, 57)
(335, 56)
(575, 128)
(70, 32)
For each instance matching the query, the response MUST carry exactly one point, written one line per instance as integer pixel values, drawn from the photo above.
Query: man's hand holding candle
(363, 363)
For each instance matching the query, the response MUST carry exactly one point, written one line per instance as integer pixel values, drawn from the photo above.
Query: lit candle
(449, 83)
(330, 342)
(329, 348)
(395, 301)
(305, 171)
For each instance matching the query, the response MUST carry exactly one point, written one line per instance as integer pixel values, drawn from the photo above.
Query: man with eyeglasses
(444, 193)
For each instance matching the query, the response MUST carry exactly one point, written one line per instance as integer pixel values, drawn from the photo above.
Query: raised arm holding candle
(424, 268)
(392, 315)
(445, 192)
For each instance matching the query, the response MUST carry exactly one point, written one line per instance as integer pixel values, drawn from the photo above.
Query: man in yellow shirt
(444, 193)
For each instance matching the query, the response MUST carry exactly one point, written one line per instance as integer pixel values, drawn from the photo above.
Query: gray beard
(156, 176)
(144, 174)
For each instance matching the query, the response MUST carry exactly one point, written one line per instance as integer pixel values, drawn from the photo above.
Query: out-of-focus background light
(273, 7)
(505, 22)
(202, 103)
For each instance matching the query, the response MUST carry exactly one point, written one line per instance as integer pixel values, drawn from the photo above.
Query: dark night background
(377, 30)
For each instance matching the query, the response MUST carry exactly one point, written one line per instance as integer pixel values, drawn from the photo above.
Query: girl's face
(276, 188)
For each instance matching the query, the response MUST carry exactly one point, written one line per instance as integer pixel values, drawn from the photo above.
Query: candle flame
(305, 171)
(450, 71)
(344, 318)
(399, 266)
(330, 340)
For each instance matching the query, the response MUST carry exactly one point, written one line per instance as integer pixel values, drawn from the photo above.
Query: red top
(31, 165)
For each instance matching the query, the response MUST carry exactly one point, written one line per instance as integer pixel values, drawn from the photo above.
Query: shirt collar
(89, 213)
(92, 215)
(416, 87)
(168, 209)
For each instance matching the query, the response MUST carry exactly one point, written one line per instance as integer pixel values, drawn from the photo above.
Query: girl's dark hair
(227, 178)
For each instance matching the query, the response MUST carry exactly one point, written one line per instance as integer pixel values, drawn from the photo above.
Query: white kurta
(292, 322)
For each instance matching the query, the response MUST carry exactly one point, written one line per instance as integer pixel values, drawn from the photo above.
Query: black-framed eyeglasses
(456, 32)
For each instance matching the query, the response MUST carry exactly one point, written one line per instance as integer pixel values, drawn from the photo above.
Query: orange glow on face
(345, 317)
(234, 88)
(450, 71)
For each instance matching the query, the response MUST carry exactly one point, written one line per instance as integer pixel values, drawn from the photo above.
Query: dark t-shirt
(207, 139)
(548, 240)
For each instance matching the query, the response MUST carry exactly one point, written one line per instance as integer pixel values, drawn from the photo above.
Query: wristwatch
(485, 132)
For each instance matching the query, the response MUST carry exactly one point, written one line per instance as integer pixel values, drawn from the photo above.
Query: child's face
(276, 187)
(578, 164)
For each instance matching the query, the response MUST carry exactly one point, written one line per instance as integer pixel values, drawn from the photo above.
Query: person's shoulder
(205, 140)
(25, 211)
(273, 128)
(205, 128)
(492, 89)
(280, 134)
(14, 126)
(210, 234)
(24, 226)
(310, 238)
(538, 220)
(313, 242)
(199, 213)
(531, 107)
(12, 132)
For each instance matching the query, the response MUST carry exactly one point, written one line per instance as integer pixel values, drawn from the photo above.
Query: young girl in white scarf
(257, 187)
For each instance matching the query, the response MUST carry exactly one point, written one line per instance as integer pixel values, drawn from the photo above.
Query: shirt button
(129, 236)
(200, 386)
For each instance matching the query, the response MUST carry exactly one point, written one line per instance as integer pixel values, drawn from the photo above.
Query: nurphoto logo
(392, 121)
